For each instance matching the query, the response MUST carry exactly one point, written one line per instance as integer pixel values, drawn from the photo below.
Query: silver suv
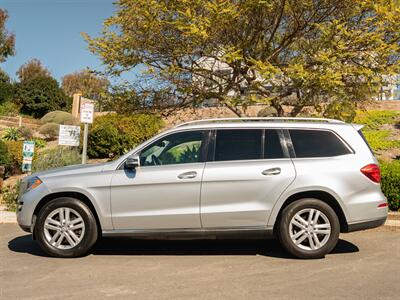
(302, 180)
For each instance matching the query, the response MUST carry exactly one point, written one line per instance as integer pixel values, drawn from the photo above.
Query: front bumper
(366, 224)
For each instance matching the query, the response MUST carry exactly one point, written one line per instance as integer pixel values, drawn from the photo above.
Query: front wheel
(309, 228)
(66, 227)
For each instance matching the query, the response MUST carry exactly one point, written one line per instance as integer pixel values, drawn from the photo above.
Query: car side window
(177, 148)
(317, 143)
(238, 144)
(272, 145)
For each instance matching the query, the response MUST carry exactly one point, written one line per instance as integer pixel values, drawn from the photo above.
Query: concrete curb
(7, 217)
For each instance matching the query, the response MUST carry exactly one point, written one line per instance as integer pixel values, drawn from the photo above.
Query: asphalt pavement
(364, 265)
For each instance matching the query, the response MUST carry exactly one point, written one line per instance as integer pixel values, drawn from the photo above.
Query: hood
(71, 170)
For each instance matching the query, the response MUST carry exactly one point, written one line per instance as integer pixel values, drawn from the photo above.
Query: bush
(14, 149)
(39, 143)
(58, 117)
(9, 109)
(10, 196)
(374, 119)
(113, 134)
(391, 183)
(380, 139)
(25, 132)
(56, 158)
(268, 111)
(5, 157)
(50, 130)
(11, 134)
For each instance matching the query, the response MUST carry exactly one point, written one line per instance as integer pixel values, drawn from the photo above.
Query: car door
(249, 171)
(164, 192)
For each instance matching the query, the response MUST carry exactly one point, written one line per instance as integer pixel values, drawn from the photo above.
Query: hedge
(113, 135)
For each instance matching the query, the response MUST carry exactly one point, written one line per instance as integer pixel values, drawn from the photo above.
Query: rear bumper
(366, 225)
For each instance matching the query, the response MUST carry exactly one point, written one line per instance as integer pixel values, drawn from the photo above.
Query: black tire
(89, 236)
(284, 228)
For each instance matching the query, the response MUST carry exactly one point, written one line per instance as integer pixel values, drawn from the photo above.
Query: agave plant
(11, 134)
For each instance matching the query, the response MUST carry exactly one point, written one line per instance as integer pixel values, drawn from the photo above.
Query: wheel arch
(320, 195)
(79, 196)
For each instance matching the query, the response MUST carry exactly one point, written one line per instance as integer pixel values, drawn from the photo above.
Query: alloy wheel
(64, 228)
(310, 229)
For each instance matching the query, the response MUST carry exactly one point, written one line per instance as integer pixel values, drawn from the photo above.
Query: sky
(49, 30)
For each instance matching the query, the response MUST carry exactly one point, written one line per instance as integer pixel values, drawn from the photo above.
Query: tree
(88, 84)
(6, 87)
(31, 70)
(298, 53)
(40, 95)
(7, 40)
(85, 82)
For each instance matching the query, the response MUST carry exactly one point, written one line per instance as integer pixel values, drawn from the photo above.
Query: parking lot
(364, 265)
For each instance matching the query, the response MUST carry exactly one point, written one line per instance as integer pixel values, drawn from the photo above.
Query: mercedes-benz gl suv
(302, 180)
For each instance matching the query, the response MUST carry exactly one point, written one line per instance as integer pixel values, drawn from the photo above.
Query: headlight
(32, 183)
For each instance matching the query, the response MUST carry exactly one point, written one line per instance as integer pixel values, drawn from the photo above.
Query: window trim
(293, 152)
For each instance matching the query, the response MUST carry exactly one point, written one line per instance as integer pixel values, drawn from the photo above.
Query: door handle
(272, 171)
(188, 175)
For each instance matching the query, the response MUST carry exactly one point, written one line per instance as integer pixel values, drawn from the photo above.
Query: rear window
(317, 143)
(240, 144)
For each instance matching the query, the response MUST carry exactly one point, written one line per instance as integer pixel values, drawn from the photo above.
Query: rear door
(247, 172)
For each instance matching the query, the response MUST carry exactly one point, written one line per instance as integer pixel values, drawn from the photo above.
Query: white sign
(87, 110)
(69, 135)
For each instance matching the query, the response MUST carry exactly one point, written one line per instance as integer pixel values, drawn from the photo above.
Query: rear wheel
(309, 228)
(66, 227)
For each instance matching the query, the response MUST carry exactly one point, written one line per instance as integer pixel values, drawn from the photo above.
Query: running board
(195, 233)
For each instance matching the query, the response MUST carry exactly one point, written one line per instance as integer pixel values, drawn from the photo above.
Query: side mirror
(132, 162)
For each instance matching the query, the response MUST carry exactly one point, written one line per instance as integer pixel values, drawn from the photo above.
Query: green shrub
(380, 139)
(10, 196)
(268, 111)
(113, 134)
(50, 130)
(57, 117)
(391, 183)
(14, 149)
(25, 132)
(9, 109)
(56, 158)
(39, 143)
(11, 134)
(5, 157)
(374, 119)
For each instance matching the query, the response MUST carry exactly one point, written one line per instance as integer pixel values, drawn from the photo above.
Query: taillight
(373, 172)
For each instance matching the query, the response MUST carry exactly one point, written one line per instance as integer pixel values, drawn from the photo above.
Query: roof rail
(261, 119)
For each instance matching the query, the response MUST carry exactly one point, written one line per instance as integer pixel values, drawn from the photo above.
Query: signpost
(87, 111)
(69, 135)
(28, 149)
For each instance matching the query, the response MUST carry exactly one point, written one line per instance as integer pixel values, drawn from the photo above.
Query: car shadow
(143, 247)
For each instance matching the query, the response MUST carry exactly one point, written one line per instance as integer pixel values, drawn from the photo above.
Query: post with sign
(87, 110)
(28, 149)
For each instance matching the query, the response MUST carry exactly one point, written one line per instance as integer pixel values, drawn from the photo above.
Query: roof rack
(261, 119)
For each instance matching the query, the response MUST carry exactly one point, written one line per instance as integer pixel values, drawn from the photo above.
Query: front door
(250, 170)
(164, 192)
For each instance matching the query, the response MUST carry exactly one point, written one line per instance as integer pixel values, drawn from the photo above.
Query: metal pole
(85, 136)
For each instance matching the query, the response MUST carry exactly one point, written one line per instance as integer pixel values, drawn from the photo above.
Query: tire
(295, 235)
(77, 235)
